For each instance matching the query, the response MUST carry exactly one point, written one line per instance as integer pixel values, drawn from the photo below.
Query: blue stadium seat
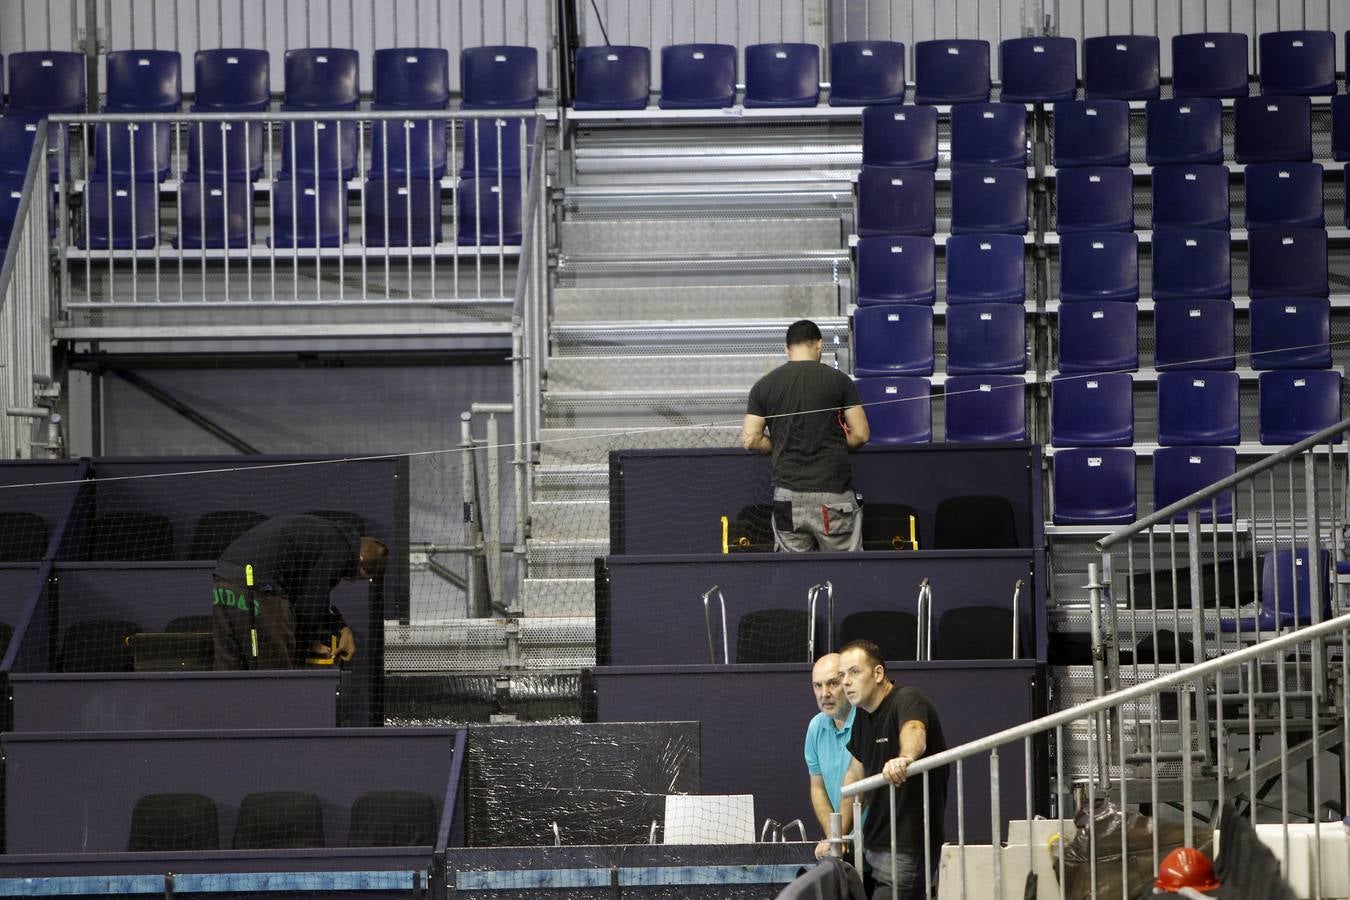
(499, 77)
(46, 81)
(613, 78)
(234, 148)
(1286, 592)
(896, 270)
(1287, 262)
(989, 200)
(1179, 472)
(1190, 196)
(419, 146)
(480, 145)
(11, 195)
(1184, 131)
(402, 212)
(1284, 195)
(895, 201)
(1092, 133)
(322, 78)
(215, 210)
(489, 211)
(986, 338)
(327, 147)
(1038, 69)
(989, 134)
(1094, 486)
(234, 78)
(308, 212)
(144, 81)
(1298, 62)
(121, 214)
(899, 410)
(986, 268)
(893, 340)
(1198, 407)
(1291, 332)
(412, 78)
(1209, 64)
(904, 136)
(1196, 333)
(1190, 263)
(698, 76)
(1096, 198)
(985, 408)
(1098, 266)
(17, 134)
(1098, 337)
(951, 71)
(782, 75)
(1121, 67)
(1272, 129)
(1340, 127)
(1298, 403)
(866, 72)
(1092, 410)
(133, 149)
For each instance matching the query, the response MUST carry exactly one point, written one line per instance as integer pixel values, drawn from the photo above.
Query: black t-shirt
(301, 558)
(876, 739)
(803, 402)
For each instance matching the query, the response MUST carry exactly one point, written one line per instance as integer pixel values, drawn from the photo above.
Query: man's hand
(346, 647)
(896, 770)
(822, 849)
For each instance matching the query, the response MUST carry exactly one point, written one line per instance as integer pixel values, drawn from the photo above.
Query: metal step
(484, 644)
(741, 301)
(761, 337)
(563, 558)
(804, 197)
(579, 482)
(644, 409)
(722, 238)
(671, 374)
(567, 446)
(570, 519)
(658, 269)
(558, 597)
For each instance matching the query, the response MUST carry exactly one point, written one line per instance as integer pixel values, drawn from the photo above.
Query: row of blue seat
(1096, 486)
(500, 77)
(306, 213)
(1033, 70)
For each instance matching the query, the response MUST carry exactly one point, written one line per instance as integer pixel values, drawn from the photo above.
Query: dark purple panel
(16, 585)
(649, 594)
(43, 488)
(355, 859)
(671, 501)
(150, 701)
(69, 793)
(754, 721)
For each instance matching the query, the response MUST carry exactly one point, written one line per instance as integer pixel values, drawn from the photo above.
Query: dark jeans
(234, 618)
(908, 875)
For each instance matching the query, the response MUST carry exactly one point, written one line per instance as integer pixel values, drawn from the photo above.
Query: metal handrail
(1218, 487)
(1184, 675)
(277, 115)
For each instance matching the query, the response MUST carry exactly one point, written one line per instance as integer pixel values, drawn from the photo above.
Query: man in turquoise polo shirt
(827, 756)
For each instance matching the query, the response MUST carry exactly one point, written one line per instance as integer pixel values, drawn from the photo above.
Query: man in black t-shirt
(813, 417)
(281, 615)
(893, 727)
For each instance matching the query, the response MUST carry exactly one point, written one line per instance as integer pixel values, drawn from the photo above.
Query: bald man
(827, 756)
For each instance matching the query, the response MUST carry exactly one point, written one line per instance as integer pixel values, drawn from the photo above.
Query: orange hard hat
(1186, 867)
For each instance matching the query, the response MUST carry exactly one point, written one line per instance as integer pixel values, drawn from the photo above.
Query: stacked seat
(505, 77)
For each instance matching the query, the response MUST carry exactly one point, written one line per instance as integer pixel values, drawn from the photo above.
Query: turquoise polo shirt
(827, 752)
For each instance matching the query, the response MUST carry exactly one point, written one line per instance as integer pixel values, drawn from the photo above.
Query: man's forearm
(760, 444)
(820, 804)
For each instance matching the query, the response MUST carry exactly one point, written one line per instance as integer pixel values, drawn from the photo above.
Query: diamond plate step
(658, 373)
(564, 558)
(740, 301)
(570, 519)
(558, 597)
(724, 238)
(644, 409)
(757, 337)
(581, 482)
(592, 445)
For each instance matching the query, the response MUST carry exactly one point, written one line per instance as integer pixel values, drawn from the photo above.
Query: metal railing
(1242, 772)
(531, 307)
(26, 313)
(284, 208)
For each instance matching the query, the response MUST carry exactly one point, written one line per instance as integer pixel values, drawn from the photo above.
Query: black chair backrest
(98, 646)
(184, 624)
(1166, 650)
(751, 529)
(393, 819)
(23, 537)
(171, 822)
(974, 632)
(772, 636)
(975, 523)
(895, 632)
(279, 819)
(890, 526)
(217, 530)
(129, 537)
